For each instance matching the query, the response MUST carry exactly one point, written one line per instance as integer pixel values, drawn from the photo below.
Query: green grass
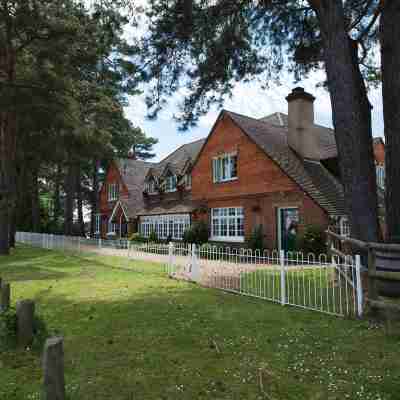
(135, 334)
(320, 288)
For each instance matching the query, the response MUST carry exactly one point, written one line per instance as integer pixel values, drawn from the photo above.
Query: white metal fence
(326, 284)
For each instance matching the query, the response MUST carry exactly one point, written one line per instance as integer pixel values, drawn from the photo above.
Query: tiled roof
(311, 176)
(169, 207)
(134, 172)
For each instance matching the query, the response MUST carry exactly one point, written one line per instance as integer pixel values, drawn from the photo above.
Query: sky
(248, 99)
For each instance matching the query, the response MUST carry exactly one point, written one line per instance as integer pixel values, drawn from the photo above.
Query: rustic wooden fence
(345, 246)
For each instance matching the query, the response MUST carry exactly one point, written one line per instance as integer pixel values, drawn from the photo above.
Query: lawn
(135, 334)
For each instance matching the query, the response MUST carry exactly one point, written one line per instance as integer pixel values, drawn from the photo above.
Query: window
(225, 168)
(170, 183)
(113, 191)
(188, 181)
(97, 223)
(227, 224)
(165, 225)
(151, 186)
(112, 228)
(380, 176)
(344, 227)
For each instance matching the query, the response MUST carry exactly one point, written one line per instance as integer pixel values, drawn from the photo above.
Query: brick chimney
(303, 138)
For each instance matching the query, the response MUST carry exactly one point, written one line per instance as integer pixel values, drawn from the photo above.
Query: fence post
(79, 244)
(100, 243)
(195, 272)
(283, 277)
(170, 258)
(359, 286)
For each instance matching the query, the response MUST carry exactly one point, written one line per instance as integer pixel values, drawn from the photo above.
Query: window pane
(233, 166)
(232, 227)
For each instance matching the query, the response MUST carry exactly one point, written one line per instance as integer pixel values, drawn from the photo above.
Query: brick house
(273, 172)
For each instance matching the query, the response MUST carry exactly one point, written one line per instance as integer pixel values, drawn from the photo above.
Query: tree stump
(53, 369)
(25, 321)
(5, 297)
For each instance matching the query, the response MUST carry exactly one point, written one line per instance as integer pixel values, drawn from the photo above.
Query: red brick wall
(106, 208)
(379, 153)
(261, 188)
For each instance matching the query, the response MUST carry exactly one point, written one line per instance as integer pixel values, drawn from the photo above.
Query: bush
(197, 234)
(8, 328)
(137, 238)
(255, 241)
(313, 240)
(153, 238)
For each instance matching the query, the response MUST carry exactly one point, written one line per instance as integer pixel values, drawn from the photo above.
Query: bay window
(227, 224)
(165, 226)
(225, 168)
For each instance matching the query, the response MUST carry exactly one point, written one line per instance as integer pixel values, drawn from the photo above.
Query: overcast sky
(248, 99)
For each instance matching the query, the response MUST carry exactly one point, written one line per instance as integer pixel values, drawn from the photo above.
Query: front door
(288, 219)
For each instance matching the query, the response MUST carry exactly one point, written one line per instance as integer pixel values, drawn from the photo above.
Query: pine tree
(209, 45)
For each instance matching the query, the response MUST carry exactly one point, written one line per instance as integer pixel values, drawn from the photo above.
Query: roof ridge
(177, 149)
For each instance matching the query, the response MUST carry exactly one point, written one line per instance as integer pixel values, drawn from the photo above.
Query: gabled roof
(311, 176)
(177, 160)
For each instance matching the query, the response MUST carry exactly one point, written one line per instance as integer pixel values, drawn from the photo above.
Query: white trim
(115, 209)
(229, 177)
(97, 223)
(227, 239)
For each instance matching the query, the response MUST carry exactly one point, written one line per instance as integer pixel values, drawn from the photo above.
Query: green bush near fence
(312, 240)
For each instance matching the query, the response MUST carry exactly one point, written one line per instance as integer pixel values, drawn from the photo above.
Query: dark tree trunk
(35, 202)
(81, 221)
(70, 185)
(7, 151)
(94, 196)
(56, 199)
(351, 119)
(390, 50)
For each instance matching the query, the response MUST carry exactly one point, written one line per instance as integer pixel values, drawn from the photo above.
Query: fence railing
(326, 284)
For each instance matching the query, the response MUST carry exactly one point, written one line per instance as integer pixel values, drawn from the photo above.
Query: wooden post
(25, 321)
(372, 288)
(53, 369)
(5, 297)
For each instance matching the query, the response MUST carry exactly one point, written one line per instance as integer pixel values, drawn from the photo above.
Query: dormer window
(170, 183)
(188, 181)
(225, 168)
(113, 191)
(151, 186)
(380, 176)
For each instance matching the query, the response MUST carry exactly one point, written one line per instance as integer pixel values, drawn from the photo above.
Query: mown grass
(319, 288)
(135, 334)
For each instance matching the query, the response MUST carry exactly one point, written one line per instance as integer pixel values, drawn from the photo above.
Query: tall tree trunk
(70, 186)
(81, 221)
(390, 50)
(56, 199)
(94, 209)
(351, 119)
(7, 150)
(35, 202)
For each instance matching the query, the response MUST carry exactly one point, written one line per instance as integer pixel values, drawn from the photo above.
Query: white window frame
(380, 175)
(97, 223)
(113, 191)
(344, 227)
(226, 220)
(112, 227)
(151, 186)
(173, 225)
(170, 183)
(188, 181)
(222, 168)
